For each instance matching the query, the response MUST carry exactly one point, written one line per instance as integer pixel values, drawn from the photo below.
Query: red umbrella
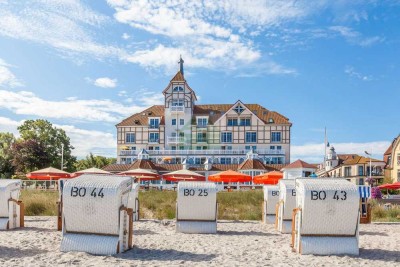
(142, 174)
(230, 177)
(183, 175)
(390, 186)
(48, 174)
(268, 178)
(89, 171)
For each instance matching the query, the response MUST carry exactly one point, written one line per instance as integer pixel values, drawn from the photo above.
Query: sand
(239, 243)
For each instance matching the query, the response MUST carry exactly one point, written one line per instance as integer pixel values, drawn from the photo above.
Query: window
(276, 137)
(178, 102)
(347, 171)
(239, 109)
(130, 138)
(245, 122)
(178, 89)
(226, 137)
(226, 160)
(272, 147)
(173, 121)
(154, 123)
(201, 137)
(202, 122)
(154, 137)
(157, 148)
(181, 148)
(181, 122)
(251, 137)
(198, 147)
(360, 170)
(232, 122)
(279, 147)
(173, 147)
(271, 120)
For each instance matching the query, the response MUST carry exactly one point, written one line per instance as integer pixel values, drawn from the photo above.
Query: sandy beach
(239, 243)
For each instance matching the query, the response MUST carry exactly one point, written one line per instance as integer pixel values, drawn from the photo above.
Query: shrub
(378, 212)
(376, 193)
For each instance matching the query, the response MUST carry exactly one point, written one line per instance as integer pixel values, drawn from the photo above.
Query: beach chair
(326, 219)
(11, 208)
(196, 209)
(95, 213)
(59, 203)
(285, 206)
(133, 202)
(271, 198)
(365, 207)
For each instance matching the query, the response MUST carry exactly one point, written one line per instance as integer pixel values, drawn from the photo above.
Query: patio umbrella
(230, 177)
(89, 171)
(48, 174)
(390, 186)
(183, 175)
(141, 174)
(268, 178)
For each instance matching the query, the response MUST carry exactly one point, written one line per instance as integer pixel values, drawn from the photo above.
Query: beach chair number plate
(81, 192)
(192, 192)
(321, 195)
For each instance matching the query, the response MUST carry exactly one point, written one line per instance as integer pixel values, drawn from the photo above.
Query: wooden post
(22, 214)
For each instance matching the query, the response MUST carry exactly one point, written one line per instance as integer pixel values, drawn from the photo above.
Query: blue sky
(85, 65)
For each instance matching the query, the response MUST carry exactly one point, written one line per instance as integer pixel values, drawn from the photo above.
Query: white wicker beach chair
(59, 203)
(196, 209)
(326, 220)
(133, 202)
(11, 208)
(96, 216)
(271, 198)
(285, 206)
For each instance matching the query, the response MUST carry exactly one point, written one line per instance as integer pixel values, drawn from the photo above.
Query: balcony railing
(175, 140)
(261, 152)
(154, 126)
(178, 109)
(154, 141)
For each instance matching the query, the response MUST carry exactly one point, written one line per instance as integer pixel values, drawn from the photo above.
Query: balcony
(154, 141)
(177, 109)
(175, 140)
(178, 140)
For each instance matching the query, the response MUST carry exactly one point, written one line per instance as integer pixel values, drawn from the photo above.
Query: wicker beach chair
(196, 209)
(11, 208)
(326, 219)
(285, 206)
(271, 198)
(96, 215)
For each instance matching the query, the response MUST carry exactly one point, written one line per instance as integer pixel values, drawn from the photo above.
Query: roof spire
(181, 64)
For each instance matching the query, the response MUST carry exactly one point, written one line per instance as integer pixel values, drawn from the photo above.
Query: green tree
(52, 139)
(29, 155)
(6, 156)
(94, 161)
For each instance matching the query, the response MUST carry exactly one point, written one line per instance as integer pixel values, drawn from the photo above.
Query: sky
(86, 65)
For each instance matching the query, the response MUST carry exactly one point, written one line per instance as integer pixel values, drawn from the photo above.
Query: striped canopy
(364, 191)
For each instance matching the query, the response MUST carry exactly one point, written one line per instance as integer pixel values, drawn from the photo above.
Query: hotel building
(392, 160)
(180, 130)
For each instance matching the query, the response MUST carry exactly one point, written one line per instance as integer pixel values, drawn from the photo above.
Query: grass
(237, 205)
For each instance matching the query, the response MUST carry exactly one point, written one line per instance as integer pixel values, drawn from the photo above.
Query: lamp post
(62, 157)
(370, 165)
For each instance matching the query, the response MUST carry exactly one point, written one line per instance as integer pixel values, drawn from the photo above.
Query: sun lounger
(326, 219)
(96, 216)
(11, 208)
(196, 210)
(271, 198)
(285, 206)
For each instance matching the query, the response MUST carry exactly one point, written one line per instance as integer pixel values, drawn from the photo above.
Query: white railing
(177, 109)
(201, 152)
(175, 140)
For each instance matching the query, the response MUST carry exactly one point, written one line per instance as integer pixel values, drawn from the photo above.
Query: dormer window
(239, 109)
(271, 120)
(178, 89)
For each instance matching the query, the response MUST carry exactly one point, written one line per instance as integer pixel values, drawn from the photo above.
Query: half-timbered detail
(218, 133)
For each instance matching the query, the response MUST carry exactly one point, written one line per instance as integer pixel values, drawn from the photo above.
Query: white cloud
(314, 153)
(355, 37)
(27, 103)
(10, 126)
(68, 26)
(125, 36)
(7, 78)
(105, 82)
(349, 70)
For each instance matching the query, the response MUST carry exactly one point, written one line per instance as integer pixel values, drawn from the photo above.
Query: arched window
(178, 89)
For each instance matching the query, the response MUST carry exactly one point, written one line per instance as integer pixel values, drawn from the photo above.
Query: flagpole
(325, 150)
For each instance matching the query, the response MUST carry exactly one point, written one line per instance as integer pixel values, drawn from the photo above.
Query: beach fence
(365, 207)
(96, 215)
(11, 208)
(271, 198)
(285, 206)
(196, 209)
(326, 219)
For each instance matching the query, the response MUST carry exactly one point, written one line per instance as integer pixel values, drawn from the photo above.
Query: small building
(354, 167)
(392, 160)
(297, 169)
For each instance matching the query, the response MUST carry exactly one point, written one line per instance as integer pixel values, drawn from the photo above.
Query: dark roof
(300, 164)
(142, 118)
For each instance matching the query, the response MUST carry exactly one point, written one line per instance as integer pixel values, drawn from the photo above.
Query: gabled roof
(300, 164)
(142, 118)
(143, 164)
(178, 77)
(251, 164)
